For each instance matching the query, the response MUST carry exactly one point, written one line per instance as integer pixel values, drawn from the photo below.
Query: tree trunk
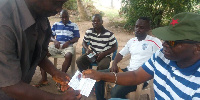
(82, 12)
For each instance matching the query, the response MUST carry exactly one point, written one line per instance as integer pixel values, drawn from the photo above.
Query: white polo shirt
(140, 51)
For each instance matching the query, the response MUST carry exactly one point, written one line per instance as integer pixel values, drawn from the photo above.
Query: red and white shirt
(140, 51)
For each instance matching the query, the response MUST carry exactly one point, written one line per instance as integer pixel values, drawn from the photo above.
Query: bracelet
(115, 77)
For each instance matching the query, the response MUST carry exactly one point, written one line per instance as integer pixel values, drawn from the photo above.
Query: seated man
(66, 34)
(102, 42)
(141, 48)
(175, 68)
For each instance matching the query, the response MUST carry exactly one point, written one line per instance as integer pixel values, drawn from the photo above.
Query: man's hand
(88, 51)
(69, 95)
(114, 68)
(57, 44)
(66, 44)
(93, 74)
(63, 79)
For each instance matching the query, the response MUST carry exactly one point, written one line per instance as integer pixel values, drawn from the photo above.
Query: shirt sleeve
(125, 50)
(158, 45)
(76, 31)
(149, 66)
(53, 29)
(86, 36)
(112, 40)
(10, 70)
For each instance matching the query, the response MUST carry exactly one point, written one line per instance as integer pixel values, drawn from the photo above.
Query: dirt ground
(121, 35)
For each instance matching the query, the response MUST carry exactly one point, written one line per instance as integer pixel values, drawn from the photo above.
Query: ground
(121, 35)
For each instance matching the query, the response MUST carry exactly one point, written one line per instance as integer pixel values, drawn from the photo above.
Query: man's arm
(57, 75)
(107, 52)
(117, 59)
(86, 47)
(23, 91)
(67, 43)
(124, 78)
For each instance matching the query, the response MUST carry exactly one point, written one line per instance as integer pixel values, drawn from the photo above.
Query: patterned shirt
(140, 51)
(99, 42)
(66, 32)
(172, 82)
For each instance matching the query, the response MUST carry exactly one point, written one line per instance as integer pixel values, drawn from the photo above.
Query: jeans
(119, 91)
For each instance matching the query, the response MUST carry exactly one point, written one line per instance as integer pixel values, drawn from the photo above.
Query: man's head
(64, 16)
(97, 21)
(44, 8)
(142, 27)
(182, 37)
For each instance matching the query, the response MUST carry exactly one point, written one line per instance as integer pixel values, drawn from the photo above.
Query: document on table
(85, 85)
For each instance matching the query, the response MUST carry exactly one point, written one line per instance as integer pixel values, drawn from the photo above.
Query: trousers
(119, 91)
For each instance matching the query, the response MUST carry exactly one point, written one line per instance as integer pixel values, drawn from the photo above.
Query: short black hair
(147, 19)
(99, 16)
(63, 11)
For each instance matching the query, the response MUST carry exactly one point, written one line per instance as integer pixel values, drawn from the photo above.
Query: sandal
(41, 84)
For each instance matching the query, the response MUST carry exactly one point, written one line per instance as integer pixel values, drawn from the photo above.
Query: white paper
(85, 85)
(91, 55)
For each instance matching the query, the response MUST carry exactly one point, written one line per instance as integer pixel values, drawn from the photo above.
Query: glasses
(174, 43)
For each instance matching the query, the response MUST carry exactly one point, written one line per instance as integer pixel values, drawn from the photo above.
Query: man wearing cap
(175, 68)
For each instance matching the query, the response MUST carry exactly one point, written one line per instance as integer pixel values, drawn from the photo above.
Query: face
(96, 22)
(45, 8)
(65, 17)
(141, 28)
(178, 52)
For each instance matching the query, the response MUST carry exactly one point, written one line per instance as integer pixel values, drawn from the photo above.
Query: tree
(82, 11)
(159, 11)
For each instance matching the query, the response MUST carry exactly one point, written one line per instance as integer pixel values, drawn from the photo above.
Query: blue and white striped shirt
(172, 82)
(66, 32)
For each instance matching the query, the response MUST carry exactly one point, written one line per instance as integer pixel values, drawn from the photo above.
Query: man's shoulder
(155, 39)
(90, 30)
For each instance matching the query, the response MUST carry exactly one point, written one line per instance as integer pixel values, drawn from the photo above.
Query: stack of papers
(85, 85)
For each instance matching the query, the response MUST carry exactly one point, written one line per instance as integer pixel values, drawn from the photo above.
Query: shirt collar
(146, 38)
(26, 17)
(103, 30)
(186, 71)
(69, 22)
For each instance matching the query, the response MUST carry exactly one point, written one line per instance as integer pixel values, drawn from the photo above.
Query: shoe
(41, 84)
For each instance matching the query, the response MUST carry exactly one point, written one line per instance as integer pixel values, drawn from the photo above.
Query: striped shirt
(172, 82)
(99, 42)
(66, 32)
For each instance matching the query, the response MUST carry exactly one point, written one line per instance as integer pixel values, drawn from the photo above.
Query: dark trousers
(83, 63)
(119, 91)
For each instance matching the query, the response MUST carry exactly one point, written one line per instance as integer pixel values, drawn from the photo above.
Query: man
(175, 68)
(24, 36)
(66, 34)
(141, 48)
(102, 43)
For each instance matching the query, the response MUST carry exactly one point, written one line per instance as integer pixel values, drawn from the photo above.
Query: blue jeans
(119, 91)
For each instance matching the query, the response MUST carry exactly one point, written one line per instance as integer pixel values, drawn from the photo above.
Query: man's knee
(102, 66)
(68, 56)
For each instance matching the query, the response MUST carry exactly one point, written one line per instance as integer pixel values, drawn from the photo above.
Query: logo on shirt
(144, 46)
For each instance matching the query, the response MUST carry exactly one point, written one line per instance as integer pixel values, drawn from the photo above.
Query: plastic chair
(140, 91)
(73, 59)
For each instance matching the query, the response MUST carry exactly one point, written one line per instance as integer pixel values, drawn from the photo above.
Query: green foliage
(70, 5)
(159, 11)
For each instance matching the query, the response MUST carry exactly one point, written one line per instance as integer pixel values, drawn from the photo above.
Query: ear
(197, 49)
